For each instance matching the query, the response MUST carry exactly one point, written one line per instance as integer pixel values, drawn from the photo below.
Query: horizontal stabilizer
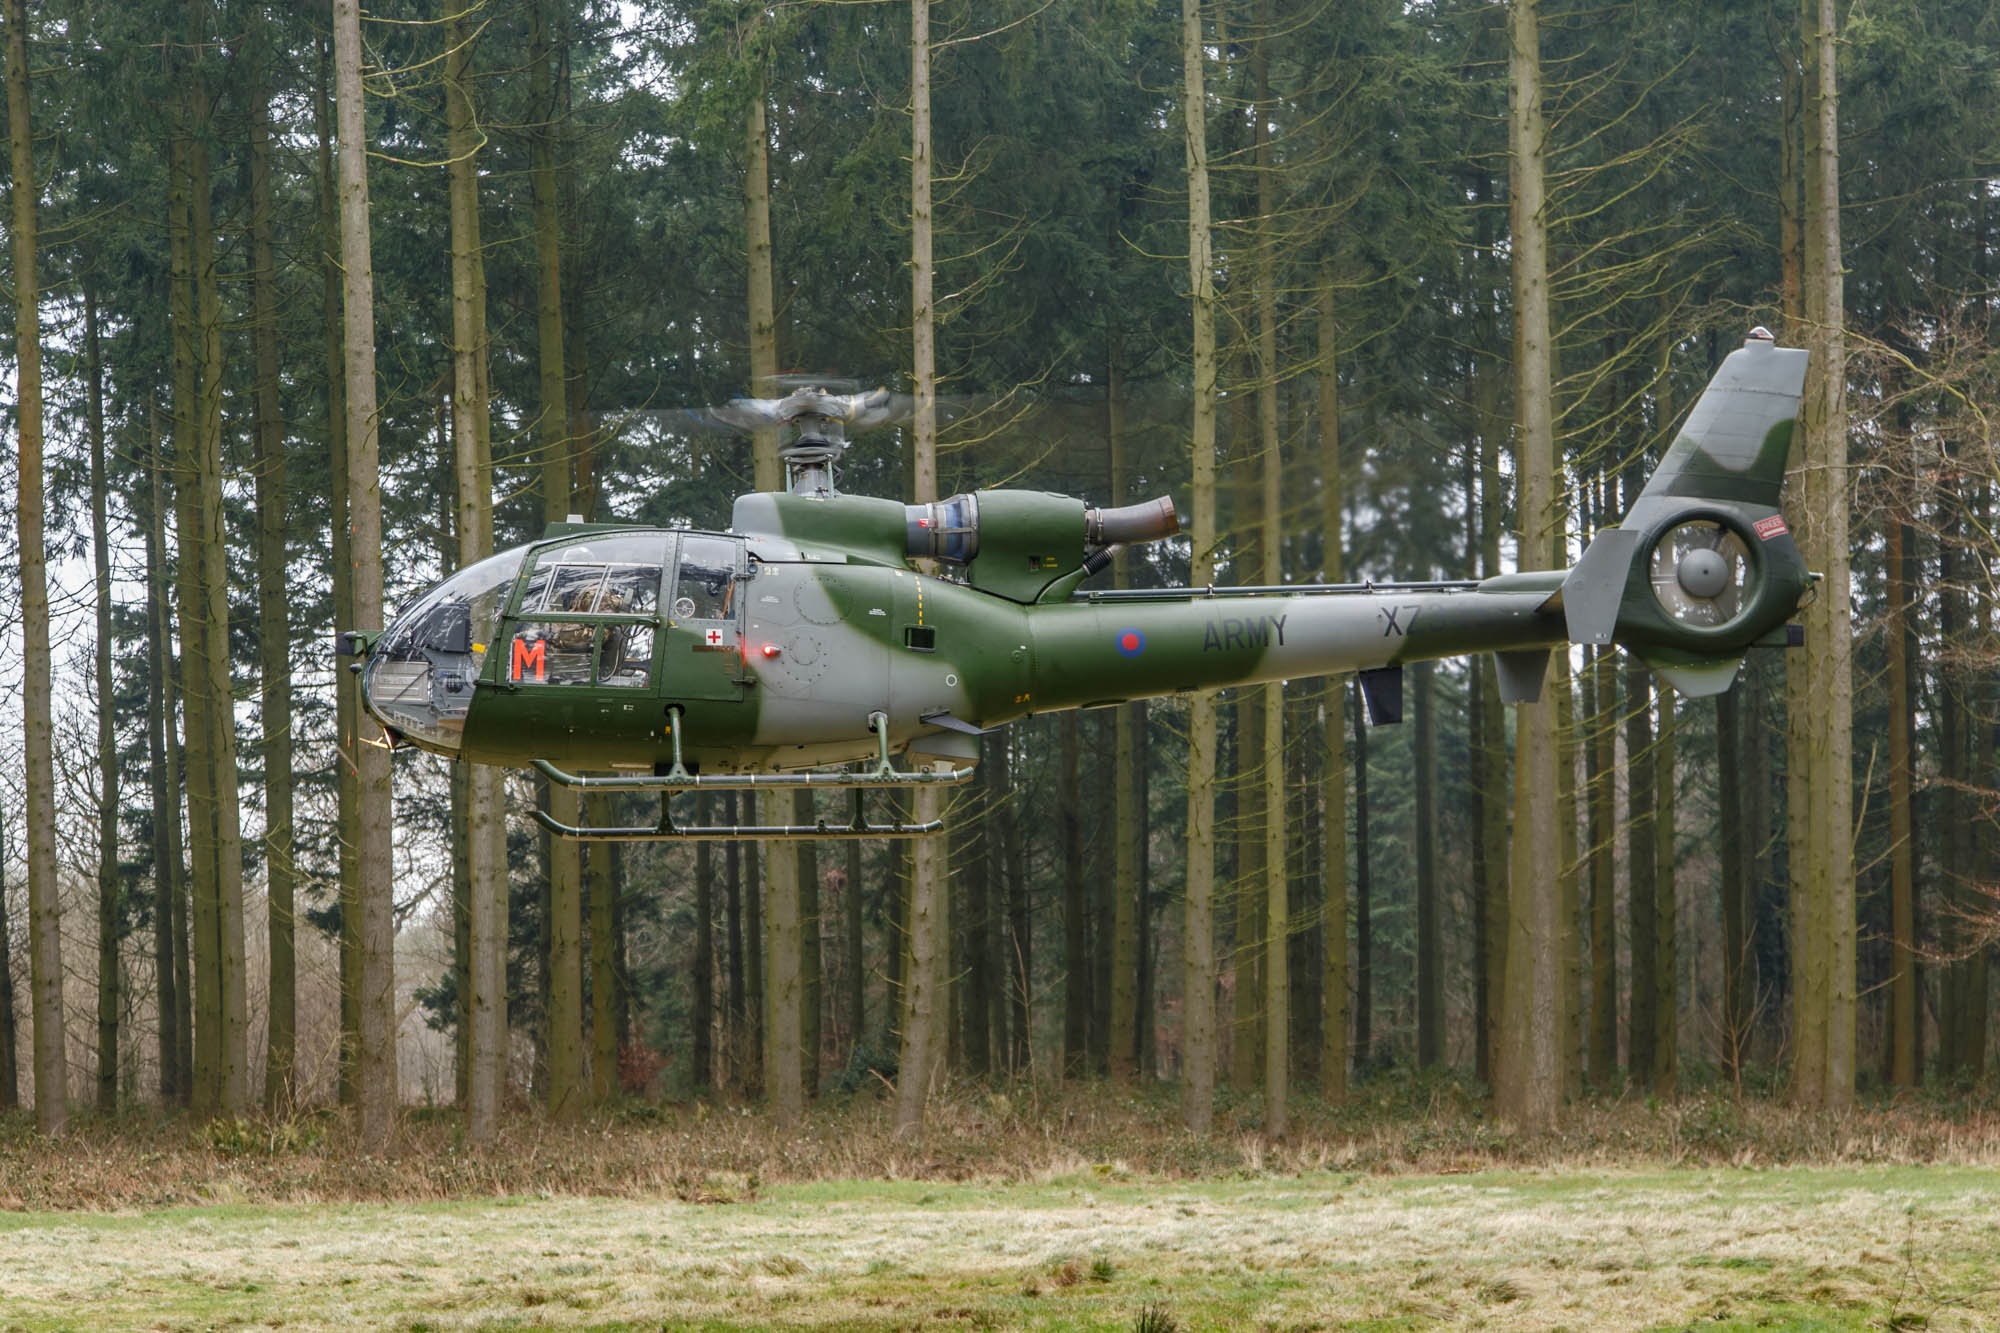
(1698, 680)
(1593, 590)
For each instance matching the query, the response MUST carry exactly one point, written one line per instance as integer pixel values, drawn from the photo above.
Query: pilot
(587, 600)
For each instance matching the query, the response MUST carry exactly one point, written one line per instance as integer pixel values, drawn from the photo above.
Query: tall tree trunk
(895, 931)
(1666, 954)
(854, 966)
(1128, 778)
(1020, 950)
(1430, 941)
(485, 1013)
(1334, 1051)
(1572, 874)
(1759, 851)
(1528, 1078)
(375, 1061)
(1903, 1011)
(975, 957)
(110, 895)
(1076, 960)
(1102, 869)
(810, 963)
(736, 1003)
(38, 729)
(1729, 794)
(1475, 805)
(347, 709)
(1246, 1035)
(783, 1045)
(226, 945)
(753, 959)
(1364, 906)
(923, 990)
(1276, 895)
(607, 964)
(1602, 799)
(1975, 999)
(1823, 1073)
(563, 963)
(204, 1073)
(1198, 946)
(163, 754)
(1807, 1043)
(1491, 760)
(10, 1058)
(784, 1079)
(1642, 867)
(1974, 1021)
(273, 626)
(701, 967)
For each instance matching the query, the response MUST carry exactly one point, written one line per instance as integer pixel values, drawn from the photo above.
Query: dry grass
(1825, 1250)
(704, 1153)
(1406, 1209)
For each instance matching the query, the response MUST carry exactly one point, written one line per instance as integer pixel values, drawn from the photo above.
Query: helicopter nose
(419, 684)
(420, 679)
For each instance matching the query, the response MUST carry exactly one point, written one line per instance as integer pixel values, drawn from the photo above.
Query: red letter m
(531, 655)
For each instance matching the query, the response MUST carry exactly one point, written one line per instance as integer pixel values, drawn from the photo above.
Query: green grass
(1815, 1250)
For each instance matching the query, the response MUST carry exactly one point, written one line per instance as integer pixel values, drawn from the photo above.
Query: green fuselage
(779, 644)
(811, 648)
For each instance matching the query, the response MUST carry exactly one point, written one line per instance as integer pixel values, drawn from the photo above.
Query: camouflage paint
(831, 624)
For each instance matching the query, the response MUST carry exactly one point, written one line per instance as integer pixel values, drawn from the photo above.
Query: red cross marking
(714, 637)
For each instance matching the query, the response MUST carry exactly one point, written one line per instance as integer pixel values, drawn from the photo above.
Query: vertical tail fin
(1704, 564)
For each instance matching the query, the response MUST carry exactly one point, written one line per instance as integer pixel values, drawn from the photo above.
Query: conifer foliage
(316, 305)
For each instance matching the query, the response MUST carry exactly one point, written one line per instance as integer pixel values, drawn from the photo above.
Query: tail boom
(1110, 650)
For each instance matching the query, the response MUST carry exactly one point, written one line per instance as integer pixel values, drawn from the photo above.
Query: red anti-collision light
(770, 650)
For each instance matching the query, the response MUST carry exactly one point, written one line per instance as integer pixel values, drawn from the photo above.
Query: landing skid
(677, 778)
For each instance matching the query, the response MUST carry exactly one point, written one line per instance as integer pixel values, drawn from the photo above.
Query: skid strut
(677, 778)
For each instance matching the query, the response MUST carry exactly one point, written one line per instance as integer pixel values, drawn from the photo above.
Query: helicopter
(806, 647)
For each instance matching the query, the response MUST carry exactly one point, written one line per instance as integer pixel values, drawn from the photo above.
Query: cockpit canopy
(587, 615)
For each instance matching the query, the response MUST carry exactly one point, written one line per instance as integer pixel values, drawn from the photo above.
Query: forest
(315, 306)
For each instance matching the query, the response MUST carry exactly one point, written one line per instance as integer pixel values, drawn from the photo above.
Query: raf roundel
(1129, 642)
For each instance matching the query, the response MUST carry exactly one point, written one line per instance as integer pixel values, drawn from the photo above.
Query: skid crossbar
(671, 832)
(677, 778)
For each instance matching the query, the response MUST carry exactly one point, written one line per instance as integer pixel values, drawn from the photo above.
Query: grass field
(1888, 1247)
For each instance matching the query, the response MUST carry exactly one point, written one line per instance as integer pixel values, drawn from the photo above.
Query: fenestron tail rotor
(1701, 574)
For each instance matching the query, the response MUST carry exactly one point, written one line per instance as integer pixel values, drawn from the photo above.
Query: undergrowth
(1022, 1131)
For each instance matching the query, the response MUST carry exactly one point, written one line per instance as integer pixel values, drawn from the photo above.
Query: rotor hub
(1703, 573)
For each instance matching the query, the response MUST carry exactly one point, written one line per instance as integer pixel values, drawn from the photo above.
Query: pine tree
(374, 974)
(485, 1012)
(1528, 1078)
(110, 893)
(1198, 945)
(273, 592)
(923, 990)
(44, 923)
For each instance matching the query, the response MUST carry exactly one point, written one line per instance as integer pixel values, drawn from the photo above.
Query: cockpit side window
(705, 586)
(588, 613)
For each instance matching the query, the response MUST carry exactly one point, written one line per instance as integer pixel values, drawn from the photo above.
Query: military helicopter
(803, 648)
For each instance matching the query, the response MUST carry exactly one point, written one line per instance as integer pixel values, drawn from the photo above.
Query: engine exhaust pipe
(1147, 521)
